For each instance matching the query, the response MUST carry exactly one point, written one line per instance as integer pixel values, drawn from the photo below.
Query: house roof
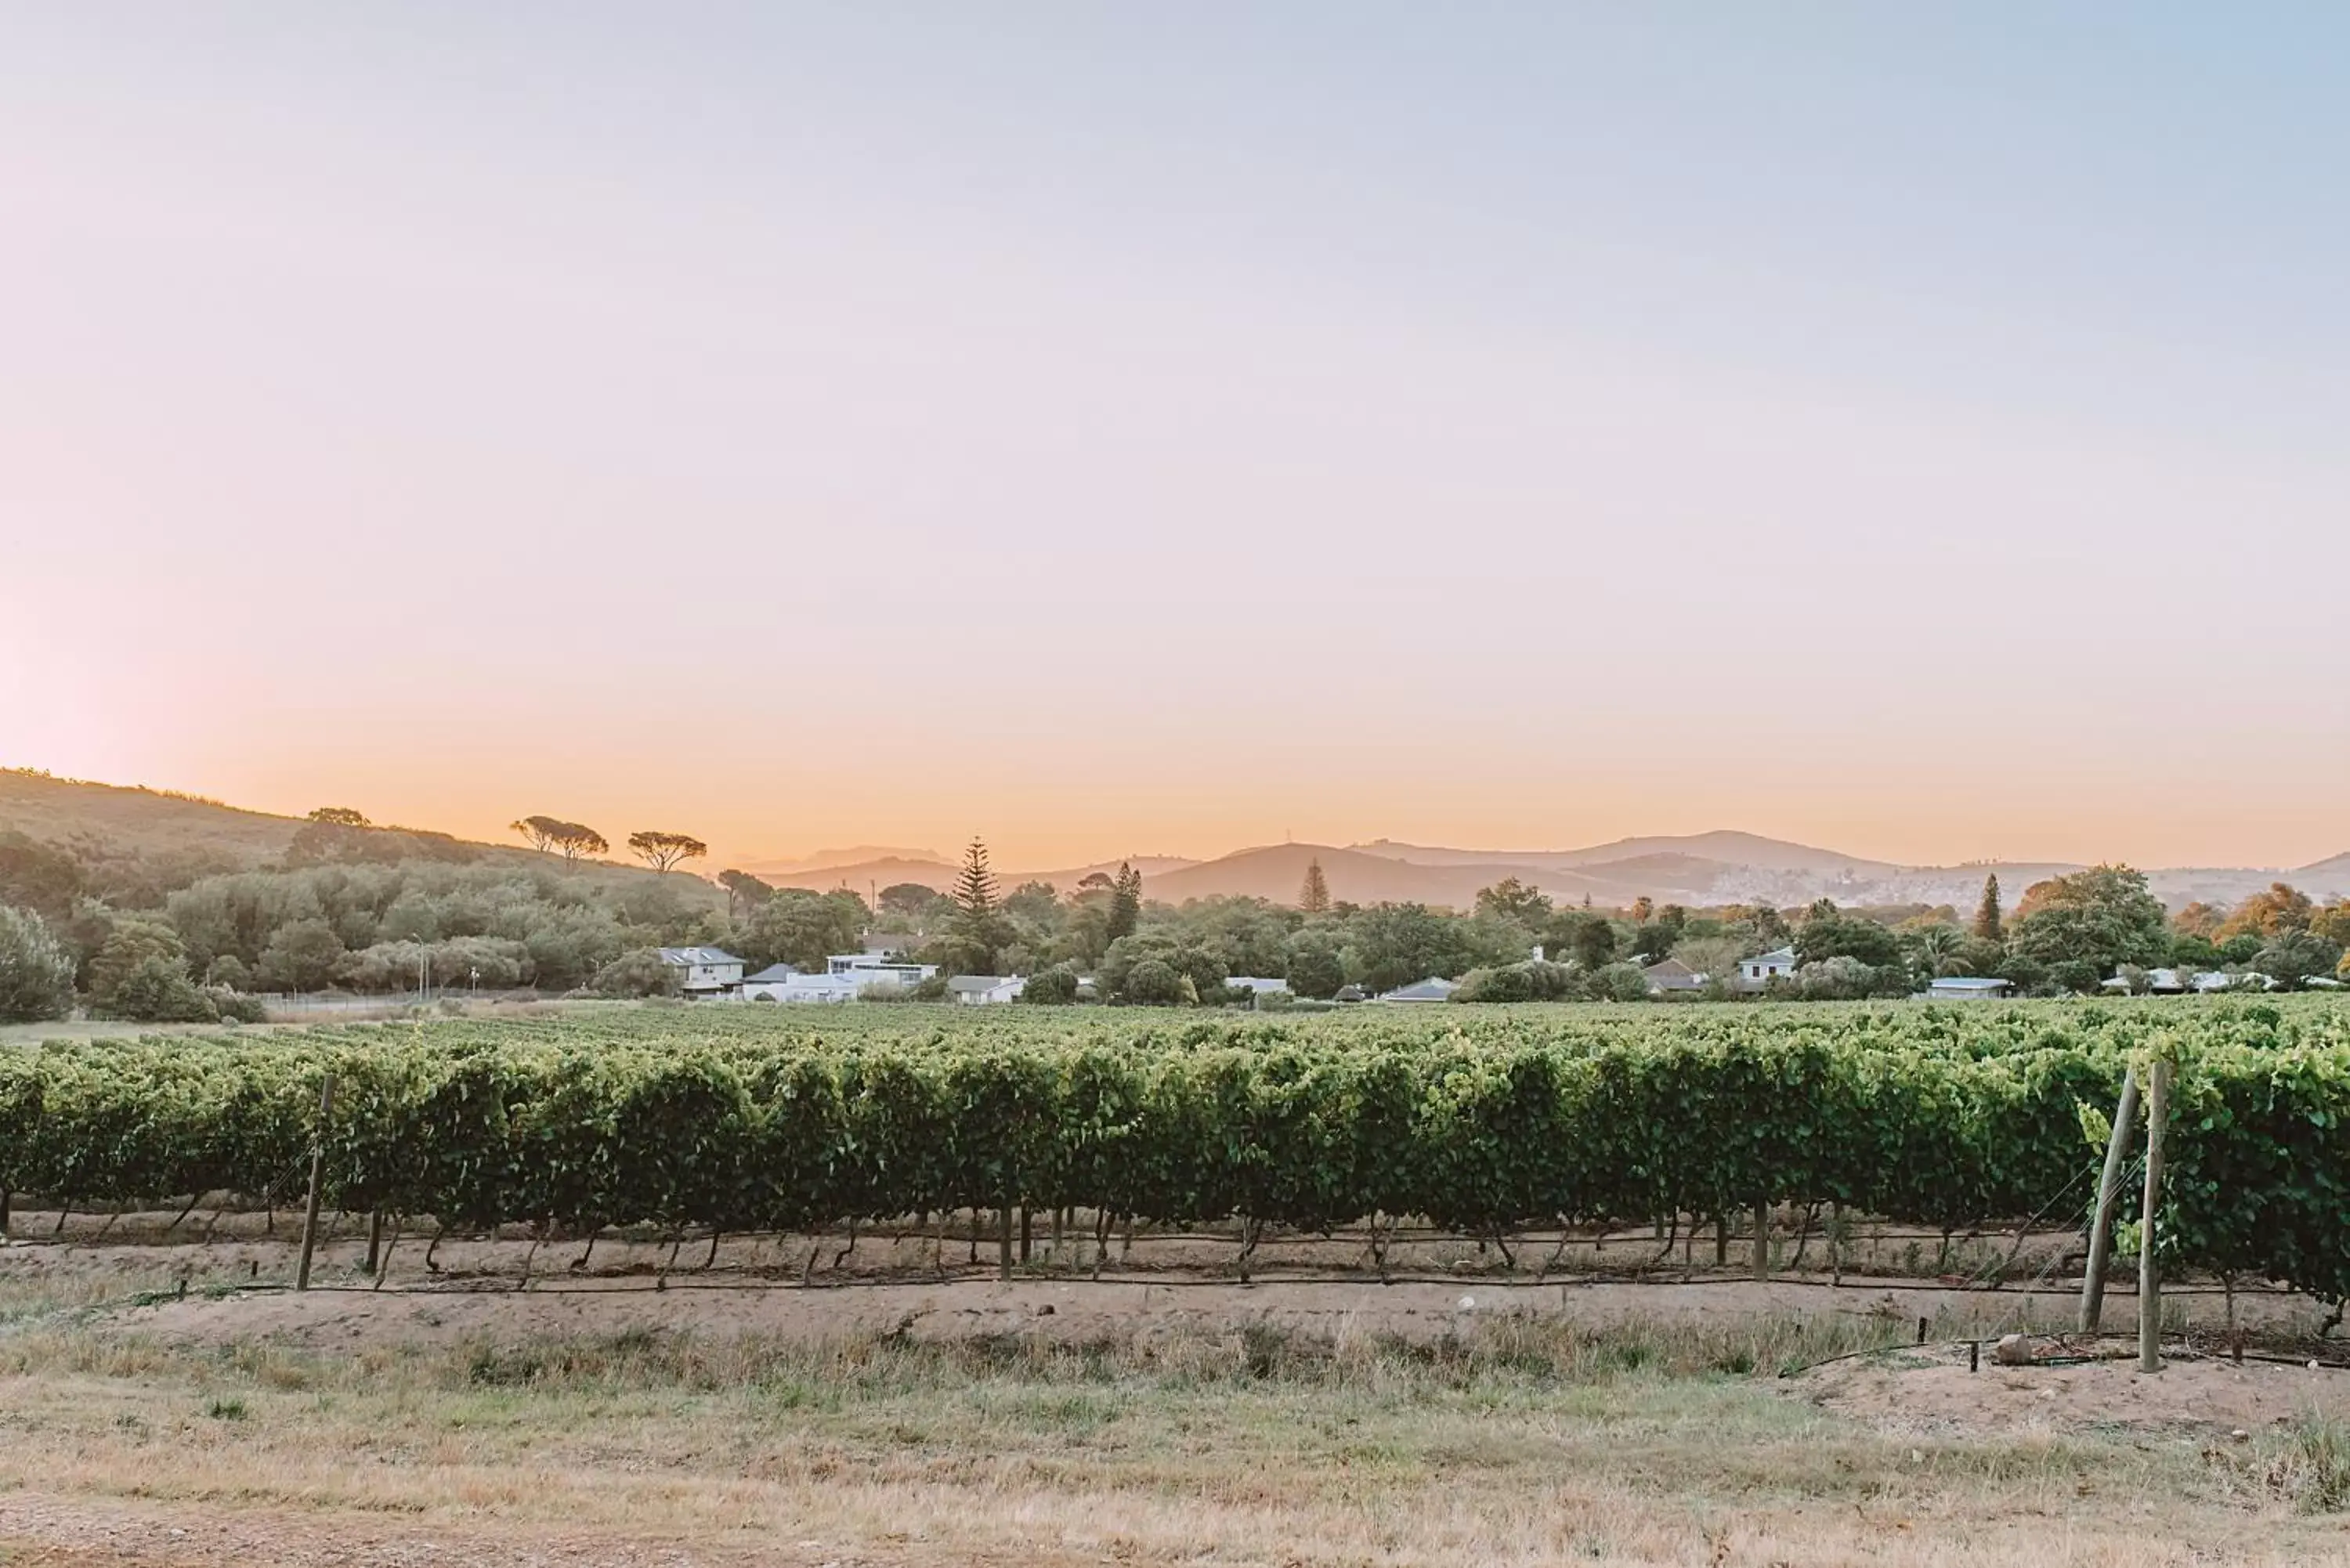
(1776, 955)
(1970, 982)
(684, 956)
(1257, 982)
(774, 974)
(969, 984)
(1672, 975)
(1433, 989)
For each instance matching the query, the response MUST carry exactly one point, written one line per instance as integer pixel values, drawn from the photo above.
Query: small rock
(1046, 1310)
(2242, 1436)
(1469, 1304)
(1917, 1456)
(2013, 1350)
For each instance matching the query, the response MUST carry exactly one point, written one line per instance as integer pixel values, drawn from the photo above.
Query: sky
(1120, 429)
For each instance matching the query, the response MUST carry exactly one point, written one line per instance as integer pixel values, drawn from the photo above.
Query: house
(1670, 976)
(980, 990)
(1431, 990)
(706, 972)
(1259, 985)
(1967, 987)
(878, 969)
(1754, 973)
(781, 983)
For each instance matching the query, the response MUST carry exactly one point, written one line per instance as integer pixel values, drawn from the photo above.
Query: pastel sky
(1917, 430)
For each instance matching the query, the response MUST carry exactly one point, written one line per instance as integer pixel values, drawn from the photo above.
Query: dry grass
(1512, 1440)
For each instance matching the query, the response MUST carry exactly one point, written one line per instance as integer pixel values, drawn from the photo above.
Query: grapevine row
(1517, 1122)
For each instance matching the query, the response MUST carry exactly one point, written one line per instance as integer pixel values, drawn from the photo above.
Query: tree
(2102, 917)
(1643, 908)
(1397, 944)
(1125, 902)
(1153, 983)
(1593, 944)
(799, 927)
(744, 890)
(129, 942)
(1315, 971)
(1989, 926)
(36, 974)
(1314, 896)
(552, 835)
(665, 851)
(1054, 987)
(636, 973)
(979, 924)
(2199, 919)
(1511, 899)
(1835, 936)
(340, 816)
(2291, 958)
(142, 972)
(910, 900)
(302, 955)
(2277, 910)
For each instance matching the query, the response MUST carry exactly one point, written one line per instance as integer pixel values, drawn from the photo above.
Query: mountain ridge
(1666, 868)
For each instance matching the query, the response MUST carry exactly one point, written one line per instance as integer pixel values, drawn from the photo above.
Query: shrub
(36, 974)
(1153, 983)
(641, 972)
(1055, 987)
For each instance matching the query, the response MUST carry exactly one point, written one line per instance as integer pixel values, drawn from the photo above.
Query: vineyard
(1486, 1123)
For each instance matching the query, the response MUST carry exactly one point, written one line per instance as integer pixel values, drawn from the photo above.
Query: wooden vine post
(2101, 1220)
(2150, 1275)
(318, 1170)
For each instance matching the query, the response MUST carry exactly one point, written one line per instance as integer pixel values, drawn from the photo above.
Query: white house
(1968, 988)
(1429, 989)
(781, 983)
(1259, 984)
(1754, 973)
(878, 969)
(705, 972)
(1671, 975)
(980, 990)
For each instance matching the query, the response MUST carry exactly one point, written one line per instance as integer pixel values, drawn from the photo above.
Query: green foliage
(1481, 1121)
(2102, 917)
(1990, 925)
(1519, 982)
(798, 928)
(1055, 987)
(1313, 894)
(1125, 904)
(637, 973)
(1314, 970)
(36, 974)
(1837, 936)
(1151, 982)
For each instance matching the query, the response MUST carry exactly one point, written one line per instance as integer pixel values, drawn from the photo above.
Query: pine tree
(1314, 898)
(1989, 926)
(979, 918)
(1125, 902)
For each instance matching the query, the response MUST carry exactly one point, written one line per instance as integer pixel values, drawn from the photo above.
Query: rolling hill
(1705, 868)
(157, 823)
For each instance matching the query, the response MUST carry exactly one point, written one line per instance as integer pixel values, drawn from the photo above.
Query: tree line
(371, 909)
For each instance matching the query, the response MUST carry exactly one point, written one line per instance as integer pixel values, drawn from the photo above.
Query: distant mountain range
(1698, 868)
(1721, 867)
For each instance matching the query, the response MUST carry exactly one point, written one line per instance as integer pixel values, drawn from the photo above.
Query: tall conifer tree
(1314, 898)
(1989, 926)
